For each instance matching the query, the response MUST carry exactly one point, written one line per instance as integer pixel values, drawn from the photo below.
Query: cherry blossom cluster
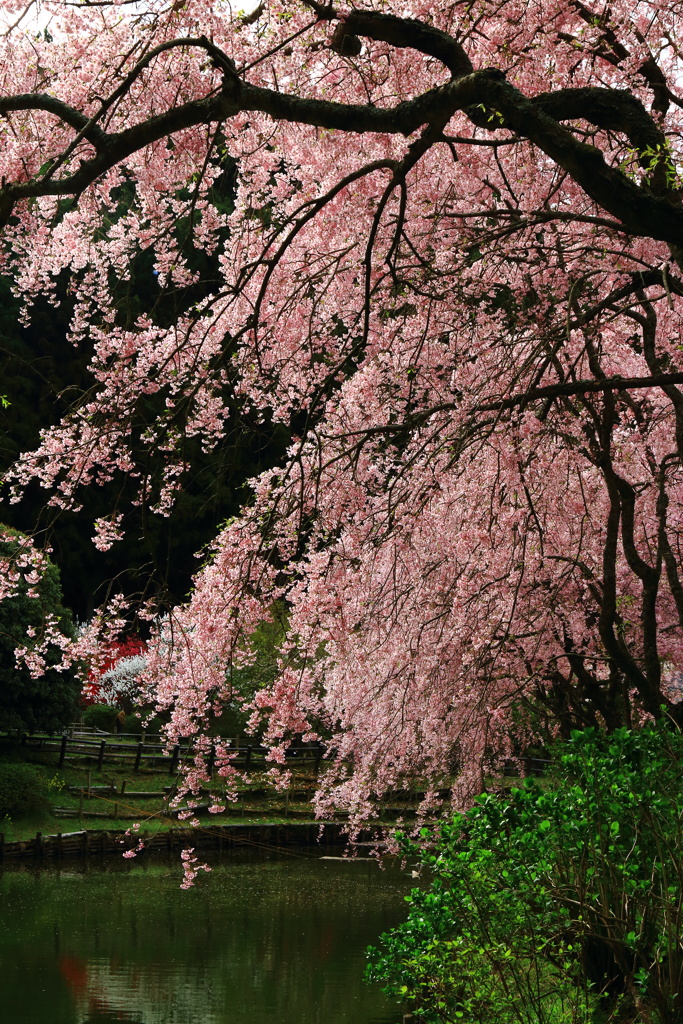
(191, 867)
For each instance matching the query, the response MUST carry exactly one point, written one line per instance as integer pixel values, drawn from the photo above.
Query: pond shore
(96, 843)
(81, 806)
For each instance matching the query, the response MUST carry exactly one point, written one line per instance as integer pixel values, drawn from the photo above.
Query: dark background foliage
(43, 375)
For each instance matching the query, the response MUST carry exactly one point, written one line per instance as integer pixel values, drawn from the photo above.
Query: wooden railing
(104, 748)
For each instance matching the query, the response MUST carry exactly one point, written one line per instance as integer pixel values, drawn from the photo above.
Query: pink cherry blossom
(453, 271)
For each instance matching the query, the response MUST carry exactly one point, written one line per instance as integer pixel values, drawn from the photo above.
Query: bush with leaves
(558, 903)
(259, 672)
(22, 790)
(101, 716)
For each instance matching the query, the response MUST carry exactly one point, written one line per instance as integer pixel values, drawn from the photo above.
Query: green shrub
(260, 671)
(22, 790)
(155, 724)
(558, 903)
(101, 716)
(232, 721)
(132, 723)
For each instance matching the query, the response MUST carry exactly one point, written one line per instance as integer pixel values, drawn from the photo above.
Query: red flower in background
(116, 652)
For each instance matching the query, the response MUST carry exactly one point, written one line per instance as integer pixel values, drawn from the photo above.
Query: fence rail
(107, 749)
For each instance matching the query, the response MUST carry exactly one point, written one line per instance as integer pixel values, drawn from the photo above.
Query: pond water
(262, 939)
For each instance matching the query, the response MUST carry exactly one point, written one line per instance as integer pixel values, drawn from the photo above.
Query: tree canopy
(453, 272)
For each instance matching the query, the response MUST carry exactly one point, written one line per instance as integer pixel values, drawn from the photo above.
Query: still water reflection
(261, 940)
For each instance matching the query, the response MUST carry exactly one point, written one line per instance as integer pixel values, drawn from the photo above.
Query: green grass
(124, 810)
(268, 806)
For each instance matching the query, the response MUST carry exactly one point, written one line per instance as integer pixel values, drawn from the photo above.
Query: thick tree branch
(69, 115)
(641, 213)
(615, 110)
(403, 33)
(580, 387)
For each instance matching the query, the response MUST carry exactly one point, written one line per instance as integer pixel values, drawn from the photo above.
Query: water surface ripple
(263, 939)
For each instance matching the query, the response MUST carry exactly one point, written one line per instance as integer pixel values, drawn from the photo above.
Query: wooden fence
(106, 749)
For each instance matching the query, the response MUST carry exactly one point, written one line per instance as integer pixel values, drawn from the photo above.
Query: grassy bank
(78, 796)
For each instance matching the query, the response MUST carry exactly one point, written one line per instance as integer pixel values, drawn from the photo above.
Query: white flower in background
(121, 683)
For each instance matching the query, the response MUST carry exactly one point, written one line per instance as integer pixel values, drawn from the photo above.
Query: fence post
(247, 761)
(138, 755)
(212, 759)
(174, 759)
(62, 751)
(100, 757)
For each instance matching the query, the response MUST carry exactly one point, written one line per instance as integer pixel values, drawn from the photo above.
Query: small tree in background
(35, 692)
(118, 681)
(120, 685)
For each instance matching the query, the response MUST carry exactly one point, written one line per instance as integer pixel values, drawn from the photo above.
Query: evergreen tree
(29, 701)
